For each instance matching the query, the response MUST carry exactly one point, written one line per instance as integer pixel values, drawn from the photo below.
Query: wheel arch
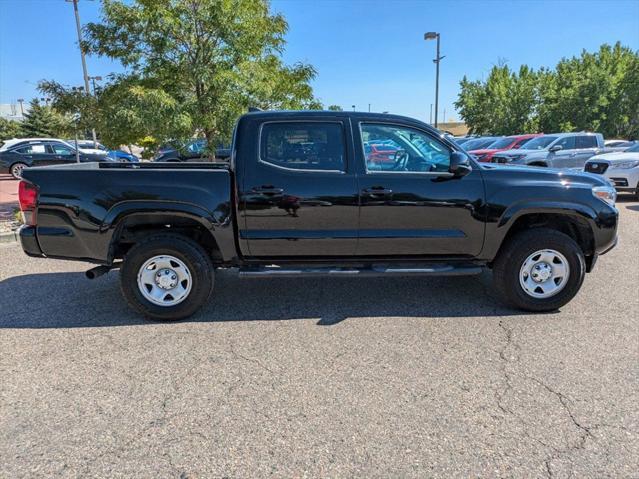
(576, 221)
(130, 226)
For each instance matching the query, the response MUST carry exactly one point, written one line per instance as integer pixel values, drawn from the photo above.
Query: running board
(430, 270)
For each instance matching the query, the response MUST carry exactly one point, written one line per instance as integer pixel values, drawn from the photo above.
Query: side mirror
(459, 164)
(555, 148)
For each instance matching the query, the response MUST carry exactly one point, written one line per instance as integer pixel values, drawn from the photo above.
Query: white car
(620, 167)
(14, 141)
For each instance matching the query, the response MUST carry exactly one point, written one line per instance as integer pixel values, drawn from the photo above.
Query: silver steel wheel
(164, 280)
(544, 273)
(17, 169)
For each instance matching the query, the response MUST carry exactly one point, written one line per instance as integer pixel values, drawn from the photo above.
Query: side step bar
(426, 270)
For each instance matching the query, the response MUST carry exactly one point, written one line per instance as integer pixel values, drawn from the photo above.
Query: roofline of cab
(355, 115)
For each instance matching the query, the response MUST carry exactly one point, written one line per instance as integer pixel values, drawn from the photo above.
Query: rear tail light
(28, 198)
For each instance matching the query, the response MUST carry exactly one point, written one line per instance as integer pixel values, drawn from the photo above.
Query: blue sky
(364, 51)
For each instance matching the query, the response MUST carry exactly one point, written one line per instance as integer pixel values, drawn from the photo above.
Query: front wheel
(167, 277)
(539, 270)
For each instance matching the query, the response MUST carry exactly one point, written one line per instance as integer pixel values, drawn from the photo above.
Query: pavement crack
(563, 400)
(251, 360)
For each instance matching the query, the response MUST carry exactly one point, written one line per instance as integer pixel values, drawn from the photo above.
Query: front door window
(401, 149)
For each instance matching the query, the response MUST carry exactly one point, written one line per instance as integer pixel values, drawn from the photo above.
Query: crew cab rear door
(410, 204)
(298, 195)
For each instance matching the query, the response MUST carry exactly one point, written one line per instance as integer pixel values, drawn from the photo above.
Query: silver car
(557, 150)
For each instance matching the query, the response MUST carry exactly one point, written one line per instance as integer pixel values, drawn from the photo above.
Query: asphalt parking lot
(319, 378)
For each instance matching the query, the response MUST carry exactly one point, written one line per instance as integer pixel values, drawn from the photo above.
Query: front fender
(519, 209)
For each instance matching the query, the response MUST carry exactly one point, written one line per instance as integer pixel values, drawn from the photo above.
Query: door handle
(268, 190)
(377, 191)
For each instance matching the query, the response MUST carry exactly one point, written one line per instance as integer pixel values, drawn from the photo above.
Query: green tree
(43, 121)
(9, 129)
(335, 108)
(504, 104)
(192, 67)
(595, 91)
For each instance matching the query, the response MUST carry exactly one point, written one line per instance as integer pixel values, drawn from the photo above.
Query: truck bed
(82, 206)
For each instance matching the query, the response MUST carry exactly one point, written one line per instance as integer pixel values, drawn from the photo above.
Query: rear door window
(33, 149)
(303, 145)
(586, 141)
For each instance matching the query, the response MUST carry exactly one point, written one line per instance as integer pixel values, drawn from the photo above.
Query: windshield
(478, 143)
(539, 143)
(503, 143)
(633, 149)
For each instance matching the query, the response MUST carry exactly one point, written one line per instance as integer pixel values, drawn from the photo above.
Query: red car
(506, 143)
(380, 153)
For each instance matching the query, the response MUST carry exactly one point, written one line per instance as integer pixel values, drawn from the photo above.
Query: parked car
(192, 151)
(119, 155)
(513, 142)
(300, 199)
(116, 155)
(616, 143)
(621, 168)
(380, 152)
(16, 141)
(480, 143)
(17, 156)
(87, 146)
(460, 140)
(557, 150)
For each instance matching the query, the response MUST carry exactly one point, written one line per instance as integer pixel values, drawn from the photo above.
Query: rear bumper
(29, 241)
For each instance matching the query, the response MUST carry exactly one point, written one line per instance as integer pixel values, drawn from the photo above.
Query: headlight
(624, 165)
(605, 193)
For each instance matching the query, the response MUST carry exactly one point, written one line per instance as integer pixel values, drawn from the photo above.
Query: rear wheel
(167, 277)
(539, 270)
(17, 169)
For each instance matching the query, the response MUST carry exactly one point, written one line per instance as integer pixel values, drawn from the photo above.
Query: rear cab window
(303, 146)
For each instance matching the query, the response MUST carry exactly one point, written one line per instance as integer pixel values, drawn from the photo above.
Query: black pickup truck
(322, 193)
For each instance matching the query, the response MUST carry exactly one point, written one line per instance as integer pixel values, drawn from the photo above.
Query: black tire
(507, 266)
(16, 170)
(194, 257)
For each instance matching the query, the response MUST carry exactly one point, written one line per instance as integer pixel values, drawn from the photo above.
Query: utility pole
(84, 62)
(21, 101)
(353, 107)
(439, 58)
(369, 108)
(431, 114)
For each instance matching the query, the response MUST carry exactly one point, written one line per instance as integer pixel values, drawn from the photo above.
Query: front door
(61, 153)
(410, 204)
(563, 158)
(298, 196)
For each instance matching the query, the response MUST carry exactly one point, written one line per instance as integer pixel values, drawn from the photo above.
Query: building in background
(13, 111)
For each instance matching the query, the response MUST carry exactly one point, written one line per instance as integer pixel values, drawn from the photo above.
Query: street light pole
(93, 80)
(435, 36)
(84, 62)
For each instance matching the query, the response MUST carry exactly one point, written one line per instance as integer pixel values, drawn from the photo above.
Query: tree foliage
(192, 68)
(44, 121)
(595, 91)
(9, 129)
